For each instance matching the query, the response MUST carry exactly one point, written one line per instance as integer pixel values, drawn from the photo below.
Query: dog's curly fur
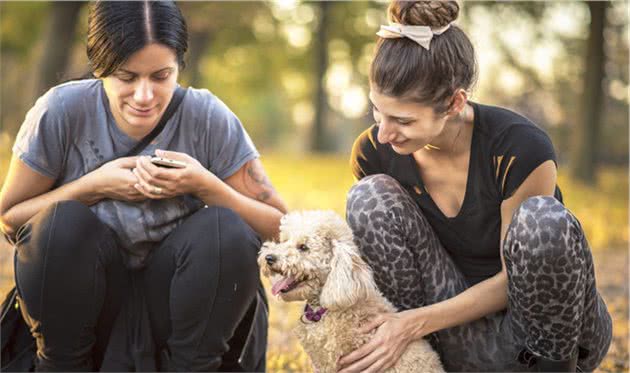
(316, 260)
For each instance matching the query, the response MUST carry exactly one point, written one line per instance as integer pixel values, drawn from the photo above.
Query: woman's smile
(141, 112)
(398, 144)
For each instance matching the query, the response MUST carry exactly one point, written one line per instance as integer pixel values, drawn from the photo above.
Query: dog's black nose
(270, 259)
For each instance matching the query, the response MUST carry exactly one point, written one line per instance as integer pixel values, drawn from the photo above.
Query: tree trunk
(584, 157)
(199, 43)
(320, 50)
(58, 43)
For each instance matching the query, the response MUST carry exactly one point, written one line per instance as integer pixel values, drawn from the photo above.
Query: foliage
(258, 58)
(17, 35)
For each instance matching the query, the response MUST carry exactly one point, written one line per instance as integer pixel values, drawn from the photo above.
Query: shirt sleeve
(521, 151)
(230, 145)
(41, 140)
(364, 159)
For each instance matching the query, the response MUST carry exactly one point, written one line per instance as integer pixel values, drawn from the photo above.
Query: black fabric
(180, 313)
(71, 283)
(506, 147)
(199, 284)
(18, 345)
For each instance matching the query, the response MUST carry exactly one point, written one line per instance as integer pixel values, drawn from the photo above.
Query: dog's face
(314, 260)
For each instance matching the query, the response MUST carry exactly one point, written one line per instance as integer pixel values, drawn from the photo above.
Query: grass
(321, 182)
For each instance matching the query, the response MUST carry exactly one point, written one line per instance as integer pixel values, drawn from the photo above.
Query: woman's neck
(455, 137)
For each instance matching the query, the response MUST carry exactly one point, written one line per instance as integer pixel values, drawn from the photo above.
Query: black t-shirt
(506, 147)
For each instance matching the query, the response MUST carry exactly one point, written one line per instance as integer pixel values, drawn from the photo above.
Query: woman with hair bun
(120, 264)
(457, 211)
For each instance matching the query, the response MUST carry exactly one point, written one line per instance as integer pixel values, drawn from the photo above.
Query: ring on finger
(157, 190)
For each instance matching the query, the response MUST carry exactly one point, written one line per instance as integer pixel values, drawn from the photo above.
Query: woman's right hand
(115, 180)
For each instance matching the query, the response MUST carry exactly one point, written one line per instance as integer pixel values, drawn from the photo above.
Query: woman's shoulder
(499, 125)
(368, 156)
(367, 144)
(60, 102)
(72, 94)
(200, 98)
(84, 88)
(205, 109)
(203, 101)
(367, 137)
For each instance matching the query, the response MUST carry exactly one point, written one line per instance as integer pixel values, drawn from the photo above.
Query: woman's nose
(385, 132)
(144, 92)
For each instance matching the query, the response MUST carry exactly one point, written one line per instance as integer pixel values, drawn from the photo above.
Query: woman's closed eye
(126, 78)
(161, 76)
(400, 121)
(404, 122)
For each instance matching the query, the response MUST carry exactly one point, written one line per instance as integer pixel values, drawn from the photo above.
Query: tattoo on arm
(257, 182)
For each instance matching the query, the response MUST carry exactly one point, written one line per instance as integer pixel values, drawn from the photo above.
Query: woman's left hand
(395, 332)
(162, 182)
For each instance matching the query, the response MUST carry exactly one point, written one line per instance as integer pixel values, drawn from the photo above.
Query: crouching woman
(458, 213)
(121, 264)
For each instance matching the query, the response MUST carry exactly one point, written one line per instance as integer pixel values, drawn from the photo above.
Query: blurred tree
(320, 56)
(199, 43)
(260, 58)
(207, 19)
(568, 63)
(584, 152)
(59, 35)
(20, 27)
(236, 51)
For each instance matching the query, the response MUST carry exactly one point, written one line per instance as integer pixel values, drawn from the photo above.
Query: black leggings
(71, 278)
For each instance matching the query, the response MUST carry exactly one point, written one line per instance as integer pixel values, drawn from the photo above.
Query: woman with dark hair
(458, 213)
(122, 264)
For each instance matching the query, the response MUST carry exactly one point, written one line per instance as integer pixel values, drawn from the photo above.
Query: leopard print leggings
(553, 307)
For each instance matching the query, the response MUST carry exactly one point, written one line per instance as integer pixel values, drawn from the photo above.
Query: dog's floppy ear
(349, 280)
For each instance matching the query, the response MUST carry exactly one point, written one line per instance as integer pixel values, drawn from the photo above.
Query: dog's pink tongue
(282, 284)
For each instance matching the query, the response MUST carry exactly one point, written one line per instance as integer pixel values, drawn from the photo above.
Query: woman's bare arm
(490, 295)
(25, 192)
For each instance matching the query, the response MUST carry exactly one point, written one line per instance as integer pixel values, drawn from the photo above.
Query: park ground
(321, 182)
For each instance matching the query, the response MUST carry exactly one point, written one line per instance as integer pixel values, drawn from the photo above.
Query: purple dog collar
(312, 315)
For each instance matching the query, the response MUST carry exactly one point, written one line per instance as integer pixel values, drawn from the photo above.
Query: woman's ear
(349, 280)
(458, 103)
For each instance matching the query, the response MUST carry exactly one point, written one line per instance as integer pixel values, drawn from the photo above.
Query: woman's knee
(59, 232)
(63, 224)
(218, 228)
(374, 198)
(364, 193)
(544, 229)
(57, 250)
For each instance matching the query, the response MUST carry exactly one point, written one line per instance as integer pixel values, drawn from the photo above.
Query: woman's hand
(115, 180)
(162, 182)
(394, 333)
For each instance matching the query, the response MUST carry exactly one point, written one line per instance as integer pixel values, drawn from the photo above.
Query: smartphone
(165, 162)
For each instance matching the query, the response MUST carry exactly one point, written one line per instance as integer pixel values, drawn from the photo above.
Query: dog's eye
(302, 247)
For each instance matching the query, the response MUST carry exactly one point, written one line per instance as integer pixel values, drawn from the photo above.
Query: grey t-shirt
(70, 131)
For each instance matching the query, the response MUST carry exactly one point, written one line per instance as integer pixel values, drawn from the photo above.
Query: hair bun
(423, 13)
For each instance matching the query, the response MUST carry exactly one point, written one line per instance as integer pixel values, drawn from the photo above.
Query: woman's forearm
(81, 190)
(263, 218)
(484, 298)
